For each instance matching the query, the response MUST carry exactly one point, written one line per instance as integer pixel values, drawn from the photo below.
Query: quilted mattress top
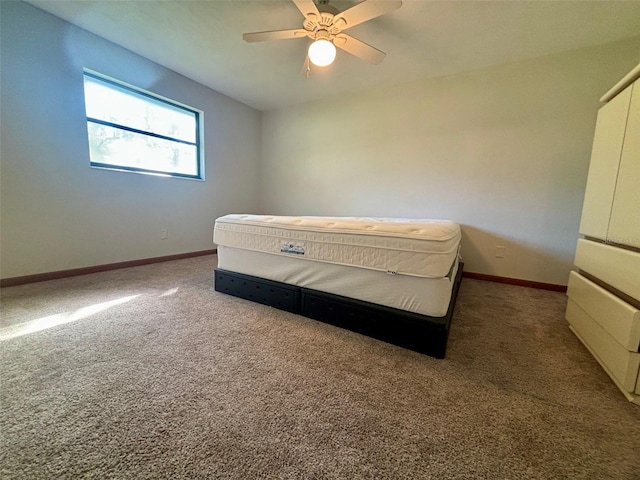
(396, 245)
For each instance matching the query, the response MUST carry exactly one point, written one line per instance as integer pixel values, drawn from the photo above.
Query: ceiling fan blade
(359, 49)
(274, 35)
(367, 10)
(307, 7)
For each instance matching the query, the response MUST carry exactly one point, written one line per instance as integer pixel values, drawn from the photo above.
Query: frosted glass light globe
(322, 53)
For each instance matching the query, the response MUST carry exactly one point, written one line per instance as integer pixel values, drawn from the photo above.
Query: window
(134, 130)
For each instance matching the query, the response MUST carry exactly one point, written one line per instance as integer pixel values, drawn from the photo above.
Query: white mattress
(426, 296)
(400, 246)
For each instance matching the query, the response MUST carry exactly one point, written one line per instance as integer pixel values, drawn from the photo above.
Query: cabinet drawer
(615, 266)
(618, 318)
(620, 363)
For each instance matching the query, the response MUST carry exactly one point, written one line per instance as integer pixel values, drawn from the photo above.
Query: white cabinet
(604, 295)
(624, 227)
(603, 169)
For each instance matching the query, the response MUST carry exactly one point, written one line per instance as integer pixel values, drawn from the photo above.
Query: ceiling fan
(324, 24)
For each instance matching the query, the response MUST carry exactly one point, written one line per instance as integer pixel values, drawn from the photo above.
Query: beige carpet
(148, 372)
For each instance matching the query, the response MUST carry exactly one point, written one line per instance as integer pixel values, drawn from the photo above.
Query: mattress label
(294, 248)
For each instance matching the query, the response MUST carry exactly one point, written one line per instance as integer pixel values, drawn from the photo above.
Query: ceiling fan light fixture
(322, 53)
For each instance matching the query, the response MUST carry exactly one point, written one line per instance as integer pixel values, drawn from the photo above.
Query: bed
(395, 279)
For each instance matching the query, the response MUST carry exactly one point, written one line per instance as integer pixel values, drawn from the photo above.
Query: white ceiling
(203, 40)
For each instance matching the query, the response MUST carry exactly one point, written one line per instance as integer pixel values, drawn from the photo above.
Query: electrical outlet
(164, 234)
(500, 251)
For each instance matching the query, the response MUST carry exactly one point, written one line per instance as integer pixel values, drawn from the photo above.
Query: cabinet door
(603, 169)
(624, 227)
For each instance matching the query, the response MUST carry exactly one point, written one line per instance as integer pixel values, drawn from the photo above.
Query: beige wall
(504, 151)
(57, 213)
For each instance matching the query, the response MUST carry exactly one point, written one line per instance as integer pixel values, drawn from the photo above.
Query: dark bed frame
(420, 333)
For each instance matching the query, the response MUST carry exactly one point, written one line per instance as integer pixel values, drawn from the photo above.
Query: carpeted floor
(148, 372)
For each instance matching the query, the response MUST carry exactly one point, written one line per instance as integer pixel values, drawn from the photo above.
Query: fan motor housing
(326, 22)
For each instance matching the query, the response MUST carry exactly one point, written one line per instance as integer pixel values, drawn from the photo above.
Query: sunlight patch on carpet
(50, 321)
(171, 291)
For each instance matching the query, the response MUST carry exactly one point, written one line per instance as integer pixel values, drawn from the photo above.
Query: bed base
(421, 333)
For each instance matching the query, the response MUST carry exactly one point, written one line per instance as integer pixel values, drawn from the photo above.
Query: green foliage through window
(134, 130)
